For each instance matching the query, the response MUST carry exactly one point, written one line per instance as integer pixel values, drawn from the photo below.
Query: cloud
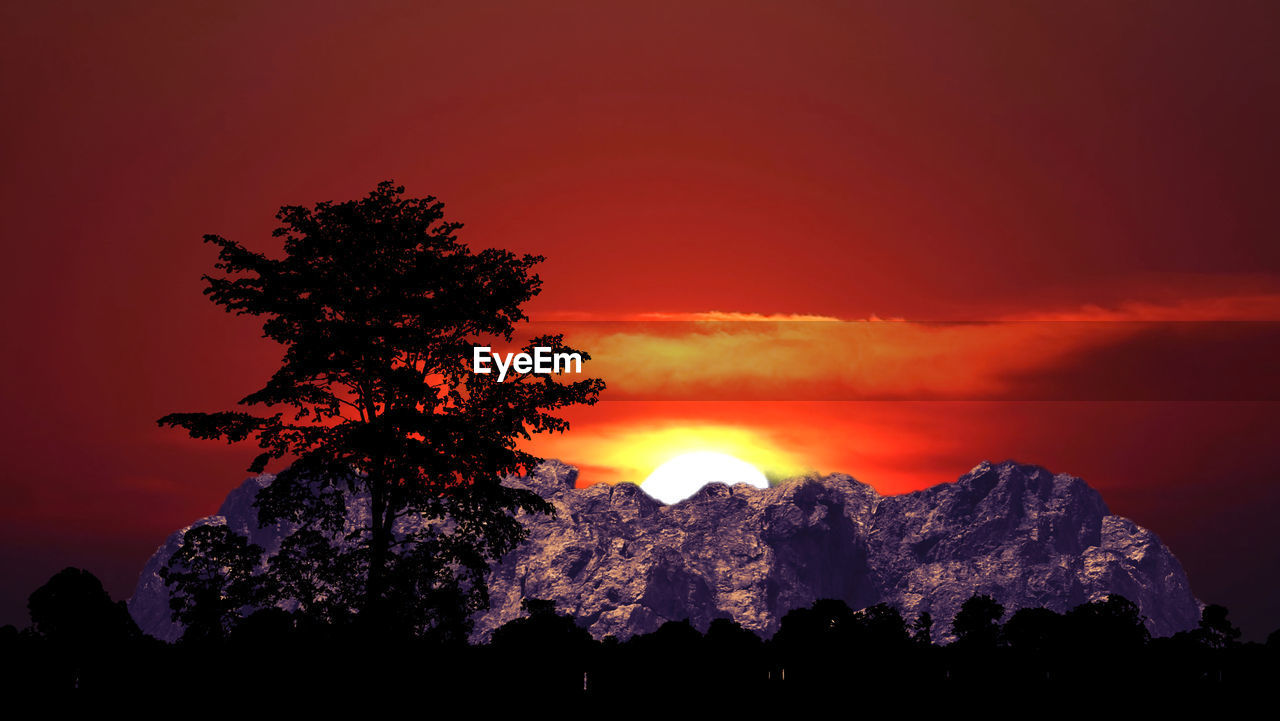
(686, 317)
(1042, 355)
(729, 316)
(822, 360)
(1242, 307)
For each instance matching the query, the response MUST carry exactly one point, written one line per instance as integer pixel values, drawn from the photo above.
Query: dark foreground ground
(545, 659)
(1098, 658)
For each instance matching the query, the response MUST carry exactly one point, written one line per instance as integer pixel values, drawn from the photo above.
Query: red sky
(923, 161)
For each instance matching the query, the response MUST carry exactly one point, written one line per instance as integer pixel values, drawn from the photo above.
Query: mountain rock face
(149, 605)
(623, 563)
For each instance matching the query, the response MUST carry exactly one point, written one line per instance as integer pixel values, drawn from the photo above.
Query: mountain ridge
(623, 563)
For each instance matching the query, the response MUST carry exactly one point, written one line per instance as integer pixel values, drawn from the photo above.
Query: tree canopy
(377, 306)
(74, 611)
(978, 621)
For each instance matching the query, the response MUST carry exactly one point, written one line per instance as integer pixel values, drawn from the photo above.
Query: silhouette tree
(881, 627)
(829, 622)
(378, 305)
(1034, 631)
(83, 627)
(562, 647)
(1215, 630)
(922, 629)
(977, 622)
(321, 581)
(1113, 624)
(735, 655)
(673, 658)
(212, 581)
(74, 610)
(812, 644)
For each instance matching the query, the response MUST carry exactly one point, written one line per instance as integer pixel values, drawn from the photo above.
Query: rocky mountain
(149, 605)
(623, 563)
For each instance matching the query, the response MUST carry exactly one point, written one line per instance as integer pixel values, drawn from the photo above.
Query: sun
(629, 452)
(682, 476)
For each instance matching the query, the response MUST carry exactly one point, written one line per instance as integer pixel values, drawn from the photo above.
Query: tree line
(82, 642)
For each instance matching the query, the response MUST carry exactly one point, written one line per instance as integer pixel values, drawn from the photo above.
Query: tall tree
(378, 306)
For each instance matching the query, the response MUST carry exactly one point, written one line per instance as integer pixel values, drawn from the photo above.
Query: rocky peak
(1017, 532)
(623, 563)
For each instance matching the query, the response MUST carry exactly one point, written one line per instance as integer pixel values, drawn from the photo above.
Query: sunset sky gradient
(1039, 231)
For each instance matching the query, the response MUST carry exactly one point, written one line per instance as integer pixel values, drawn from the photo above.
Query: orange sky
(1020, 164)
(902, 403)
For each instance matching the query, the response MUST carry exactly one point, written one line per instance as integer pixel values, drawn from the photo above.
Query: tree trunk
(379, 544)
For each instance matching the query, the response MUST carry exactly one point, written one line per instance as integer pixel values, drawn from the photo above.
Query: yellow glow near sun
(634, 455)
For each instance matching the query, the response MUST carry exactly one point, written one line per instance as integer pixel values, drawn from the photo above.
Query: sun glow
(682, 476)
(630, 452)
